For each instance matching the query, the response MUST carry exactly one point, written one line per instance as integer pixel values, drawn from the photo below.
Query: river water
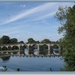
(32, 63)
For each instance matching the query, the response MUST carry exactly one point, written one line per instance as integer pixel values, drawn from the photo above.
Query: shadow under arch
(34, 46)
(4, 48)
(35, 49)
(22, 48)
(31, 49)
(15, 47)
(0, 48)
(45, 49)
(55, 49)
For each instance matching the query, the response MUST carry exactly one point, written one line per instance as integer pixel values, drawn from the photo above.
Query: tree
(66, 16)
(13, 40)
(45, 41)
(5, 39)
(31, 40)
(37, 41)
(21, 42)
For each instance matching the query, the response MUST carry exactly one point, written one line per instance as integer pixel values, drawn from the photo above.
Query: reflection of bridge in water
(30, 47)
(7, 55)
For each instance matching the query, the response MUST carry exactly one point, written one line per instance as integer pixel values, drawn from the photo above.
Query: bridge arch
(4, 48)
(41, 47)
(15, 47)
(45, 49)
(56, 49)
(35, 49)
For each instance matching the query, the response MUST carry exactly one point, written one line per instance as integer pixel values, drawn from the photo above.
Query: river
(32, 63)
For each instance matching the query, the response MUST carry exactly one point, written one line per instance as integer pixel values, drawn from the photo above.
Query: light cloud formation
(45, 16)
(9, 33)
(35, 21)
(22, 5)
(30, 11)
(34, 11)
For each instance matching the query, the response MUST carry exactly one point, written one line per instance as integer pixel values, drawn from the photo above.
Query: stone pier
(38, 49)
(48, 49)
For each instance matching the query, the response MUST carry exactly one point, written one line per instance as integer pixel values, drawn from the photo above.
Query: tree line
(7, 40)
(31, 40)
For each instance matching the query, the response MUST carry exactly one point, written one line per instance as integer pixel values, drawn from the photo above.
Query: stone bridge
(40, 45)
(30, 47)
(9, 50)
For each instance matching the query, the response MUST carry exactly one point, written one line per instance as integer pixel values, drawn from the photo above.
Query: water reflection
(5, 55)
(31, 63)
(6, 58)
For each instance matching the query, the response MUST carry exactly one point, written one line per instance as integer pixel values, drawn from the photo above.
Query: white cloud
(45, 16)
(22, 5)
(9, 33)
(38, 13)
(30, 11)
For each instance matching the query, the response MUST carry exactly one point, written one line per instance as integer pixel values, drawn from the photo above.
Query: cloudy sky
(23, 20)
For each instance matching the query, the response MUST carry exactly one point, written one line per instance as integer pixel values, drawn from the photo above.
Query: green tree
(66, 16)
(31, 40)
(37, 41)
(13, 40)
(45, 41)
(21, 42)
(5, 40)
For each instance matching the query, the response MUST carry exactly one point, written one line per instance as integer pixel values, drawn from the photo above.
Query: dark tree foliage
(13, 40)
(46, 41)
(66, 16)
(55, 46)
(5, 40)
(21, 42)
(31, 40)
(37, 41)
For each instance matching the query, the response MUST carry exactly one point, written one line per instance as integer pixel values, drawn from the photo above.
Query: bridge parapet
(12, 44)
(41, 44)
